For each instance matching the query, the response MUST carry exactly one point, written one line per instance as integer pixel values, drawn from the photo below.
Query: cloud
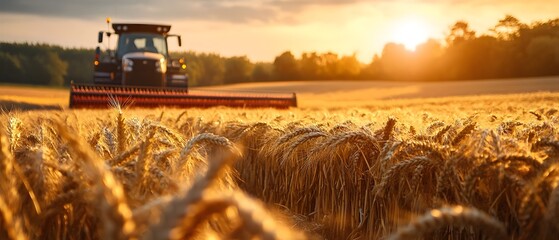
(305, 3)
(233, 11)
(236, 11)
(213, 10)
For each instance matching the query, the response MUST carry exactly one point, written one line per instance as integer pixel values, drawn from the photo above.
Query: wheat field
(446, 168)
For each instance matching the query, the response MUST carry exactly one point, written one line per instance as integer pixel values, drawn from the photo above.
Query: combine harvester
(141, 74)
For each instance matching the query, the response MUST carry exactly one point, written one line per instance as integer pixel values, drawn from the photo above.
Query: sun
(410, 33)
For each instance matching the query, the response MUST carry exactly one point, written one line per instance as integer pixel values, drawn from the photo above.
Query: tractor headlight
(161, 65)
(127, 65)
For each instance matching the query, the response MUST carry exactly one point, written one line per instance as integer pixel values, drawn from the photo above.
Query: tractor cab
(141, 42)
(141, 58)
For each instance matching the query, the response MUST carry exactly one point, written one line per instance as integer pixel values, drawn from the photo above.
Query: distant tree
(373, 70)
(395, 62)
(310, 66)
(473, 59)
(522, 51)
(203, 69)
(46, 68)
(80, 64)
(263, 72)
(542, 55)
(213, 69)
(11, 69)
(195, 71)
(238, 69)
(329, 66)
(460, 32)
(348, 67)
(508, 28)
(427, 58)
(286, 67)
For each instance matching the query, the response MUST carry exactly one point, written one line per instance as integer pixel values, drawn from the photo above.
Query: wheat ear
(303, 130)
(179, 207)
(117, 216)
(8, 189)
(120, 132)
(256, 222)
(12, 224)
(388, 129)
(457, 216)
(462, 134)
(201, 138)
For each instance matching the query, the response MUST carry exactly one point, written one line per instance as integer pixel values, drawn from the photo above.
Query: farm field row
(330, 94)
(358, 159)
(453, 167)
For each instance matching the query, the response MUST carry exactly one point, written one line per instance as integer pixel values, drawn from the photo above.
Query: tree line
(42, 64)
(510, 49)
(213, 69)
(507, 50)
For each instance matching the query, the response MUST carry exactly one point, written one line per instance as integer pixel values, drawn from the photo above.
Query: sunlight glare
(410, 33)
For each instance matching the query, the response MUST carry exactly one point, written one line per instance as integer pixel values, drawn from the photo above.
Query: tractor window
(141, 42)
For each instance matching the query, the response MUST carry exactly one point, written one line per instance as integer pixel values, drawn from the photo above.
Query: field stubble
(460, 168)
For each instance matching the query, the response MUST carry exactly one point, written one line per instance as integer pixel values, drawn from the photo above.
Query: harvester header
(140, 73)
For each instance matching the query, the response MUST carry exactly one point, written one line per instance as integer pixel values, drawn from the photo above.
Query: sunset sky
(264, 29)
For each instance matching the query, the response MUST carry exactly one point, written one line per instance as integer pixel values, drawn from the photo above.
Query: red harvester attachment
(96, 96)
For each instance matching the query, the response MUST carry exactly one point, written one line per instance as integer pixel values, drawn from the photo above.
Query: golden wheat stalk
(14, 132)
(9, 197)
(198, 214)
(170, 133)
(251, 128)
(255, 221)
(115, 212)
(143, 162)
(124, 156)
(120, 132)
(202, 138)
(388, 129)
(183, 113)
(12, 224)
(532, 205)
(259, 222)
(354, 136)
(482, 169)
(179, 207)
(439, 136)
(8, 184)
(538, 116)
(110, 140)
(297, 132)
(462, 134)
(57, 204)
(345, 126)
(448, 180)
(304, 138)
(552, 214)
(455, 216)
(398, 172)
(434, 125)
